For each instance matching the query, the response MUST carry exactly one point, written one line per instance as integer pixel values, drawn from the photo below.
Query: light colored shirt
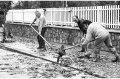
(95, 30)
(40, 22)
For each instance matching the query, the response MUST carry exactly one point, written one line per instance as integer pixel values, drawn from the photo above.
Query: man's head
(38, 14)
(75, 19)
(86, 23)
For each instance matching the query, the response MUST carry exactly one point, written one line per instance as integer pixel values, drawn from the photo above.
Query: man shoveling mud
(82, 28)
(40, 22)
(96, 31)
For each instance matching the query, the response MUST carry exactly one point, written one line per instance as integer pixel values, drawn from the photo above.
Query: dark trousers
(41, 42)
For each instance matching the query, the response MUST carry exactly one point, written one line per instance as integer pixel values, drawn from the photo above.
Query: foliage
(5, 5)
(57, 4)
(38, 4)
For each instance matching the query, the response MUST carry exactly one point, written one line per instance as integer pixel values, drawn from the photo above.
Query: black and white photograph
(59, 39)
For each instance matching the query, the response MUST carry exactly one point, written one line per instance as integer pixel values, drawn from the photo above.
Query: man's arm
(34, 20)
(88, 37)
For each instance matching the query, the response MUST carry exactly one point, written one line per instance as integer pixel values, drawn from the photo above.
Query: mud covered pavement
(16, 65)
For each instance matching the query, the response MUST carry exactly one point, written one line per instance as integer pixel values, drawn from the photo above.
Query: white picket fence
(108, 15)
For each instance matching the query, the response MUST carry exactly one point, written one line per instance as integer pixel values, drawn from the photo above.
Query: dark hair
(76, 16)
(87, 22)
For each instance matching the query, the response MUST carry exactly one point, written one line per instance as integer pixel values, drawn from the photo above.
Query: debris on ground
(14, 65)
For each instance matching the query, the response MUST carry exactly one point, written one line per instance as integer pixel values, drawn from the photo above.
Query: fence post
(51, 16)
(118, 15)
(98, 14)
(64, 22)
(12, 16)
(23, 16)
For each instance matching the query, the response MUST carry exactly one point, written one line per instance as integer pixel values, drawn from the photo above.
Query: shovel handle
(77, 45)
(72, 46)
(41, 36)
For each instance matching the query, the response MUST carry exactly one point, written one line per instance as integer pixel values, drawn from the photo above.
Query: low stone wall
(63, 35)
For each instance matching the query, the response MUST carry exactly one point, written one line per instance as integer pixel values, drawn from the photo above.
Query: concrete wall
(58, 34)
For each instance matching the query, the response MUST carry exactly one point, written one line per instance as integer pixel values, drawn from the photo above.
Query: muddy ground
(16, 65)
